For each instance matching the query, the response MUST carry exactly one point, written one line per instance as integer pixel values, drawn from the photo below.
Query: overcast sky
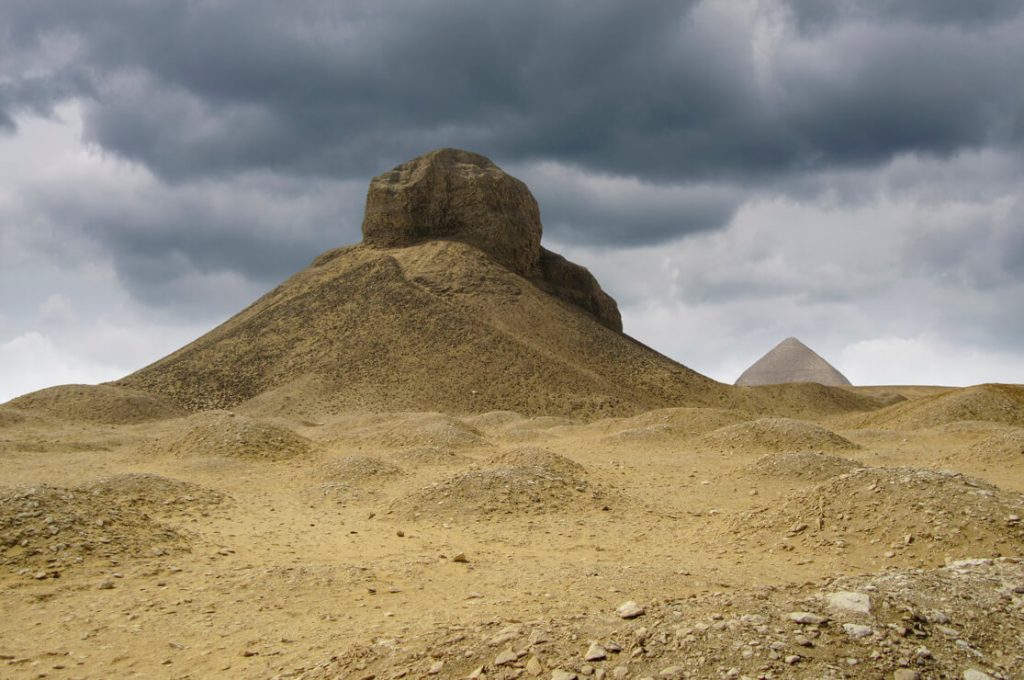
(849, 172)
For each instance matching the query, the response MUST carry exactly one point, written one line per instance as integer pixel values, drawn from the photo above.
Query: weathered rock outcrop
(450, 194)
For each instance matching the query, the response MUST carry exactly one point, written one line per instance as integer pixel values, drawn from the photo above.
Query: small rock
(845, 600)
(672, 672)
(596, 652)
(563, 675)
(505, 658)
(792, 659)
(630, 610)
(905, 674)
(975, 674)
(39, 575)
(461, 558)
(533, 666)
(620, 672)
(856, 630)
(435, 668)
(250, 652)
(803, 641)
(807, 618)
(106, 584)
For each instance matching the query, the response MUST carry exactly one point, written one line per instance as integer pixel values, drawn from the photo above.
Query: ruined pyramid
(448, 304)
(791, 361)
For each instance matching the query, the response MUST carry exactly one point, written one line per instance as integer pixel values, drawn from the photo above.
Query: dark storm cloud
(663, 90)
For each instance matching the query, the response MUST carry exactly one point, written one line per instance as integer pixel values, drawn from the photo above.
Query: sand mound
(10, 416)
(399, 430)
(541, 460)
(492, 420)
(805, 466)
(427, 456)
(912, 514)
(154, 492)
(1006, 446)
(519, 481)
(107, 404)
(222, 433)
(668, 424)
(989, 403)
(360, 470)
(775, 434)
(52, 528)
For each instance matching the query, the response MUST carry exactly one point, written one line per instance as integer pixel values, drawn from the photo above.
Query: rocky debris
(224, 433)
(749, 634)
(905, 514)
(59, 527)
(450, 194)
(775, 434)
(791, 361)
(806, 466)
(405, 433)
(846, 601)
(359, 469)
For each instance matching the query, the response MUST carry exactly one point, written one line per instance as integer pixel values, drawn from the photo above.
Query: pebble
(596, 652)
(807, 618)
(630, 610)
(857, 630)
(461, 558)
(533, 666)
(672, 672)
(905, 674)
(845, 600)
(620, 672)
(975, 674)
(563, 675)
(106, 584)
(435, 668)
(505, 658)
(792, 659)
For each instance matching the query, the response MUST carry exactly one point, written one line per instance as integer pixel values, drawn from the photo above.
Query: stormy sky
(849, 172)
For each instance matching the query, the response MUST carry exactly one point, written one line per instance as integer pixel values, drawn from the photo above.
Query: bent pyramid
(449, 304)
(791, 361)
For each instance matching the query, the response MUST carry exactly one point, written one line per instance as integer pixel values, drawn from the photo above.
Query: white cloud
(33, 361)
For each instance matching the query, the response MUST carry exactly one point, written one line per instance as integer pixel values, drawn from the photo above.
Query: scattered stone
(905, 674)
(563, 675)
(533, 666)
(506, 657)
(856, 630)
(106, 584)
(596, 652)
(807, 618)
(630, 610)
(461, 558)
(435, 668)
(845, 600)
(975, 674)
(792, 659)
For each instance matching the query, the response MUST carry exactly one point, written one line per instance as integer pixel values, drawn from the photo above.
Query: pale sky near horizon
(732, 171)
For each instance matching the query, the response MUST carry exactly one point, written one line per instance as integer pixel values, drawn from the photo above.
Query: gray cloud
(664, 90)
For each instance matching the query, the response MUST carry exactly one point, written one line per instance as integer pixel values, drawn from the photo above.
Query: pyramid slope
(791, 361)
(435, 326)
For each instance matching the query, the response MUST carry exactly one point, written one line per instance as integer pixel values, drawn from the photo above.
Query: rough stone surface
(858, 603)
(456, 195)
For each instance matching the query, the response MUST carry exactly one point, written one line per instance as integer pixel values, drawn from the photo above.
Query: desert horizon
(501, 341)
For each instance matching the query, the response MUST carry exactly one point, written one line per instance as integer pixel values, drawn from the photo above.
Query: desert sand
(424, 458)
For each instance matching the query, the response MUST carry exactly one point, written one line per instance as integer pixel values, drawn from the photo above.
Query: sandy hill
(449, 303)
(791, 361)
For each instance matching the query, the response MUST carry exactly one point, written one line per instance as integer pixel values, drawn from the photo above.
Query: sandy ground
(402, 545)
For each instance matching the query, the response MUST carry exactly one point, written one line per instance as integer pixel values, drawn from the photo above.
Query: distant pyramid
(791, 361)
